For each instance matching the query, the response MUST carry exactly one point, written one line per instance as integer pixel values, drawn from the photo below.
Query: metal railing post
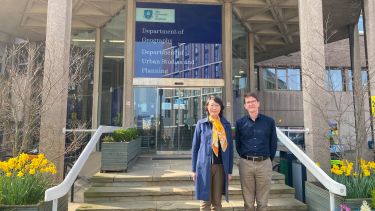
(54, 204)
(332, 201)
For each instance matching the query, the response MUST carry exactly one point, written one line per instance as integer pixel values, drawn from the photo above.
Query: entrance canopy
(28, 18)
(274, 23)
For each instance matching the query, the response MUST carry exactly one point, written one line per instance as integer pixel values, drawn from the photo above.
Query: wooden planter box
(118, 156)
(317, 198)
(42, 206)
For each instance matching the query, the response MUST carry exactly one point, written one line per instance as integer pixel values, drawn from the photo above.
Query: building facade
(152, 64)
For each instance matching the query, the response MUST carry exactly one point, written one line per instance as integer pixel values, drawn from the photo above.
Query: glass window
(196, 73)
(334, 80)
(216, 53)
(350, 80)
(294, 79)
(113, 71)
(360, 25)
(206, 58)
(269, 78)
(217, 71)
(240, 66)
(364, 75)
(80, 95)
(206, 74)
(145, 113)
(281, 79)
(196, 60)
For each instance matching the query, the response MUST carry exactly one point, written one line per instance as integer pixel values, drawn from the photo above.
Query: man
(256, 143)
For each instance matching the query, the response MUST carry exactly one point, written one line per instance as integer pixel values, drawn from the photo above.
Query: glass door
(178, 110)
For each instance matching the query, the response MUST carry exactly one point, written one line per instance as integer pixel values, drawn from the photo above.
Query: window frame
(276, 78)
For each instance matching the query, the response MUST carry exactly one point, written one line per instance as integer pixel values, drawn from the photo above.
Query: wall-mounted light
(114, 57)
(83, 40)
(116, 41)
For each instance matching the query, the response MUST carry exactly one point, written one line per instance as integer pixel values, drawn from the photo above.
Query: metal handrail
(56, 192)
(332, 186)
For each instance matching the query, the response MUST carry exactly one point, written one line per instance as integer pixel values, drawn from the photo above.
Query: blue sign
(172, 41)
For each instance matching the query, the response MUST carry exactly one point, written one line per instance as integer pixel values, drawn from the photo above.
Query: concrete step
(234, 205)
(168, 193)
(139, 179)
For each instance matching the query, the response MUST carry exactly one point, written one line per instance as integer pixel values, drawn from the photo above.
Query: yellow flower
(343, 168)
(11, 163)
(32, 171)
(44, 162)
(363, 162)
(371, 164)
(4, 167)
(366, 173)
(20, 174)
(9, 174)
(41, 156)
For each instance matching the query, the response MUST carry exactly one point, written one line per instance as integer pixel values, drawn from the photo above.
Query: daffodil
(32, 171)
(30, 176)
(20, 174)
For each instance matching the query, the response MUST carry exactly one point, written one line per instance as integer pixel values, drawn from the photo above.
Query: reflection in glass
(294, 79)
(240, 66)
(145, 114)
(180, 61)
(112, 71)
(364, 75)
(79, 108)
(360, 25)
(269, 75)
(281, 79)
(166, 117)
(334, 80)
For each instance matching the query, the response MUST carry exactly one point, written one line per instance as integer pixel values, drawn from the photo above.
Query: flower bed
(23, 180)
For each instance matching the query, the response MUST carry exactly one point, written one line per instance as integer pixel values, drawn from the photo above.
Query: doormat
(171, 158)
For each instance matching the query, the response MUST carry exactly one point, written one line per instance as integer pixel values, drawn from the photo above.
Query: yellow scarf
(218, 134)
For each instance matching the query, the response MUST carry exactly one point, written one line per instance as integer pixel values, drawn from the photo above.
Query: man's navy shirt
(256, 138)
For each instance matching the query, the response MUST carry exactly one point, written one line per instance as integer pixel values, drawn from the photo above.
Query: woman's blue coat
(202, 155)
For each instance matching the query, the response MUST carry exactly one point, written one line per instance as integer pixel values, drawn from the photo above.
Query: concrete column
(315, 98)
(369, 17)
(358, 92)
(128, 100)
(55, 82)
(97, 89)
(227, 59)
(251, 75)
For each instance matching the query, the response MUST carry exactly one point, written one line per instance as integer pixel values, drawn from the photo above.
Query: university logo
(147, 14)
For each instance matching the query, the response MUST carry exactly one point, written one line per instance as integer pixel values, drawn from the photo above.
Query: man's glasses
(251, 102)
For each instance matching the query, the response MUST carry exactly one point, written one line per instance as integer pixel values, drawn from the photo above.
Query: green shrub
(125, 134)
(373, 198)
(108, 139)
(133, 132)
(122, 135)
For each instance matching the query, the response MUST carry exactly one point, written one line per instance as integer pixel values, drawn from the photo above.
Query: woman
(212, 156)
